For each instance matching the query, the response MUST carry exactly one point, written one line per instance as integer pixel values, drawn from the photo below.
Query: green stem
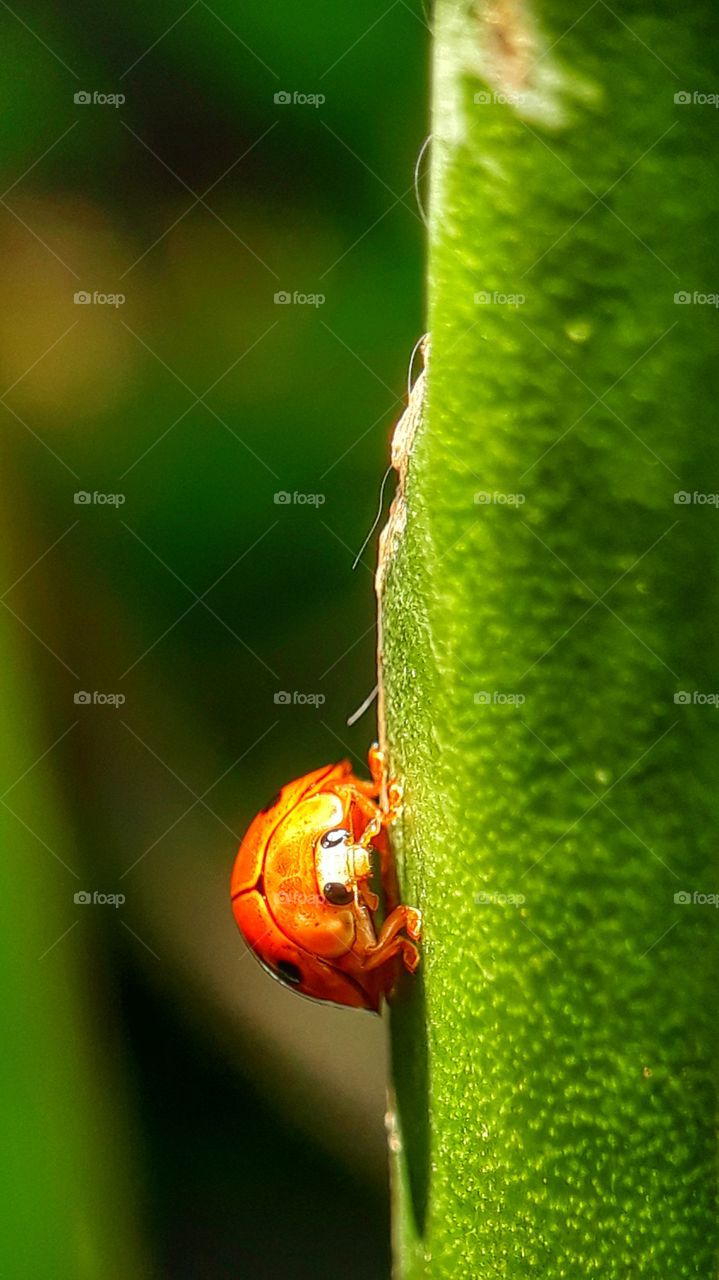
(555, 1066)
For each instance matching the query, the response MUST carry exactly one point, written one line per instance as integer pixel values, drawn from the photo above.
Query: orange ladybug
(301, 891)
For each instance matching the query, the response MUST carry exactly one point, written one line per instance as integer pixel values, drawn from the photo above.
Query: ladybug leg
(368, 790)
(353, 797)
(377, 763)
(399, 946)
(389, 944)
(376, 759)
(395, 795)
(374, 826)
(376, 769)
(369, 898)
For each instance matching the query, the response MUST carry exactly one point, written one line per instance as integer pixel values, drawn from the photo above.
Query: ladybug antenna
(417, 194)
(377, 518)
(356, 715)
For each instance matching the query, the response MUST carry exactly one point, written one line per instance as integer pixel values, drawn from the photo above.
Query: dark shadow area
(234, 1191)
(410, 1060)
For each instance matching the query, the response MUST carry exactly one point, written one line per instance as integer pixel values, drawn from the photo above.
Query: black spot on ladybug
(288, 972)
(271, 803)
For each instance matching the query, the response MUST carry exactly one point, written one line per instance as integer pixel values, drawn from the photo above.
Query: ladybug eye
(331, 839)
(339, 895)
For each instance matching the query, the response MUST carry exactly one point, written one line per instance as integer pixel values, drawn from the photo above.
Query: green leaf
(555, 1067)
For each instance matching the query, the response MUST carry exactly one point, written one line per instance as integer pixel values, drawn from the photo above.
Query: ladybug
(301, 891)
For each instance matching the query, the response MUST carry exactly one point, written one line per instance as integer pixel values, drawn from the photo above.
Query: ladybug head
(340, 865)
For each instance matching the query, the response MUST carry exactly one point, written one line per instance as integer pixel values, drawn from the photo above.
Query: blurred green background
(168, 1110)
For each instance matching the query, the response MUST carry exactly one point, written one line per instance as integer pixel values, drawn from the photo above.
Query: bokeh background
(168, 1110)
